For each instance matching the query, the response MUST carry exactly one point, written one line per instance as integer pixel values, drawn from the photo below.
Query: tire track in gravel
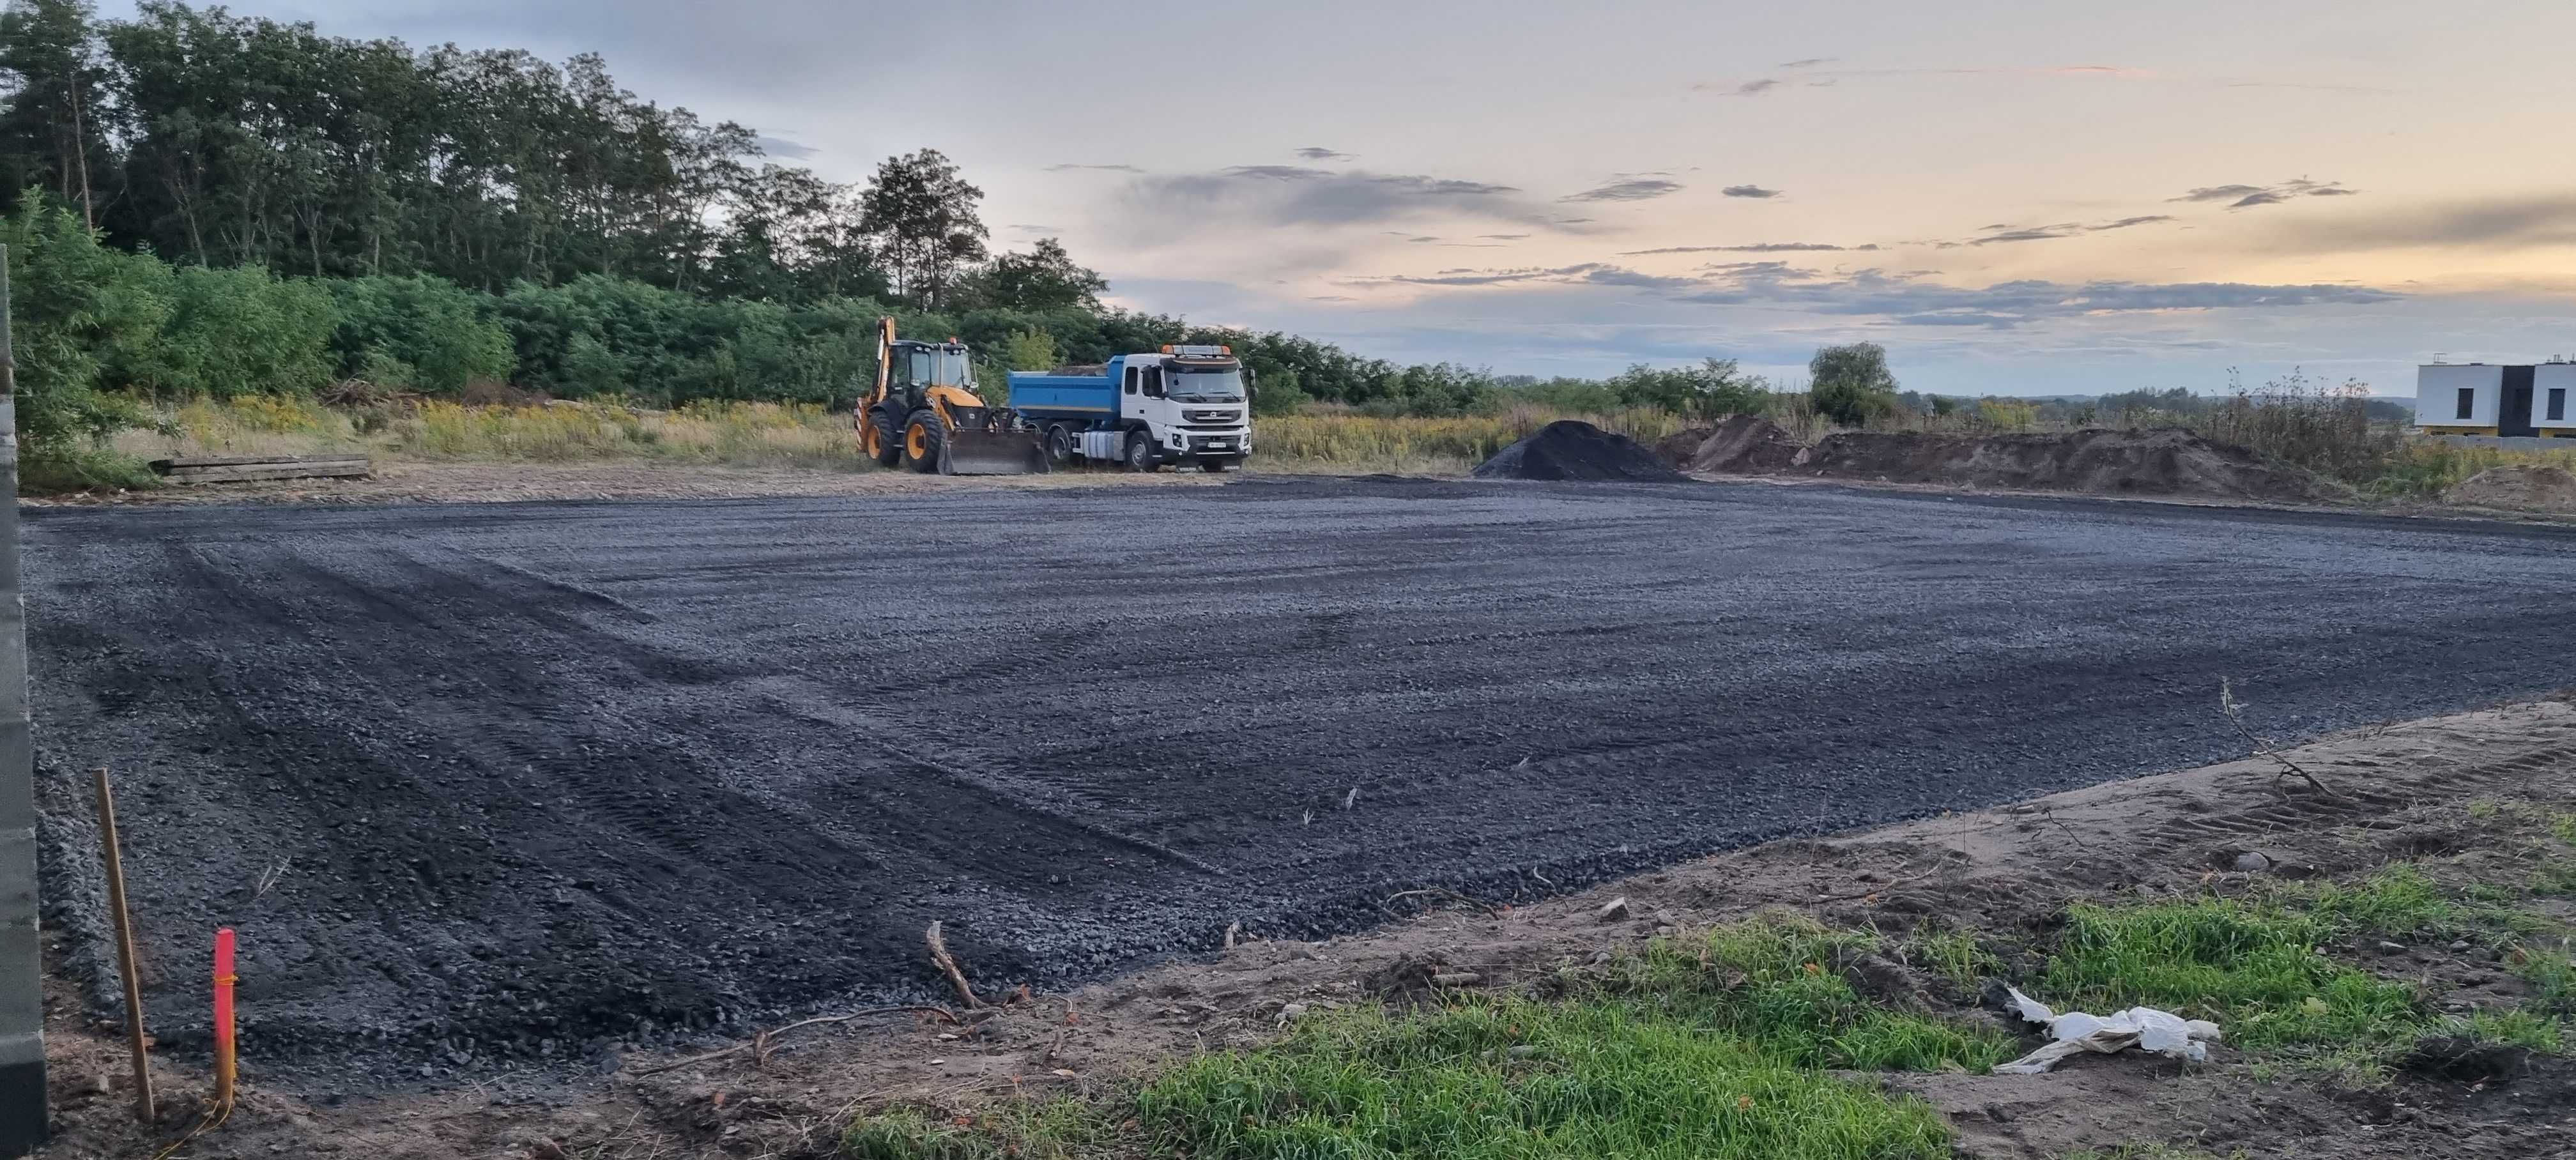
(544, 776)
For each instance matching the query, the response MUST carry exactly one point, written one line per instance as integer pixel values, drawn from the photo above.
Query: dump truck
(924, 412)
(1181, 405)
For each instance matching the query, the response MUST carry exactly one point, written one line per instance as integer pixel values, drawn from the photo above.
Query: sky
(2012, 198)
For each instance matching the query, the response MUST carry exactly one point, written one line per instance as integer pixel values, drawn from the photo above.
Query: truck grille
(1227, 417)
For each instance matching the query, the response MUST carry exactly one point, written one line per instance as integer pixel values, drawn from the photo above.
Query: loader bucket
(972, 451)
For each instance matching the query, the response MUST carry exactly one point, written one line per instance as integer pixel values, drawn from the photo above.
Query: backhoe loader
(924, 411)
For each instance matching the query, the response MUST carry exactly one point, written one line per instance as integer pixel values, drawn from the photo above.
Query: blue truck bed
(1083, 397)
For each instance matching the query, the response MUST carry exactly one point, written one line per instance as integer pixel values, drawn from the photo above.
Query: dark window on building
(2468, 401)
(2557, 404)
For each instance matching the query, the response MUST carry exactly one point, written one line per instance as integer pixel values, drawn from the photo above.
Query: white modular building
(2485, 399)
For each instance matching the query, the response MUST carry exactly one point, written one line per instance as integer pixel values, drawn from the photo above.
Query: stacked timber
(242, 468)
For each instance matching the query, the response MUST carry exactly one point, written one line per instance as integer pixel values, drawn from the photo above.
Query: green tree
(51, 129)
(1850, 384)
(1044, 278)
(80, 313)
(1715, 388)
(922, 213)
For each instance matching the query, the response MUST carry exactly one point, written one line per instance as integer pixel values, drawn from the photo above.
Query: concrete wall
(22, 1008)
(2437, 392)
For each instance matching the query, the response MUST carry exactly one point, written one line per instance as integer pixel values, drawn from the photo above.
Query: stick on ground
(947, 964)
(125, 968)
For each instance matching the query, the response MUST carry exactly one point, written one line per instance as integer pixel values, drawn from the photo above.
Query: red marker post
(224, 1019)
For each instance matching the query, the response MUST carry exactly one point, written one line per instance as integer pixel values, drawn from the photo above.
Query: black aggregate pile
(1572, 449)
(486, 785)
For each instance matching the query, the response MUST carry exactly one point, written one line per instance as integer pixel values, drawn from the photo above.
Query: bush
(83, 318)
(1851, 384)
(1712, 390)
(244, 331)
(438, 332)
(2328, 430)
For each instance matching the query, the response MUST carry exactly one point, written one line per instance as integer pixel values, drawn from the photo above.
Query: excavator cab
(924, 411)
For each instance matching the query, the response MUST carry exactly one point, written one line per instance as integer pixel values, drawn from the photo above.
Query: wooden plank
(335, 461)
(294, 471)
(246, 460)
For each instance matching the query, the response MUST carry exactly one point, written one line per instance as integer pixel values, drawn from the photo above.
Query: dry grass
(761, 434)
(1333, 440)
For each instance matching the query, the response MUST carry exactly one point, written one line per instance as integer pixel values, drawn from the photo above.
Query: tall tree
(52, 84)
(923, 214)
(1045, 278)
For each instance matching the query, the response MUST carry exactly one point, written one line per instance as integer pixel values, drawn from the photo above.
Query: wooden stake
(125, 967)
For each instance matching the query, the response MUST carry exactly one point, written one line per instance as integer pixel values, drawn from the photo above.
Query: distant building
(2479, 399)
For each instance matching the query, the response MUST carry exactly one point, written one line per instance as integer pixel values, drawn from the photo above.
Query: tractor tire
(1059, 445)
(882, 441)
(925, 442)
(1140, 453)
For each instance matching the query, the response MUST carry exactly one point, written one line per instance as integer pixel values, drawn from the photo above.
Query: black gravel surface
(525, 779)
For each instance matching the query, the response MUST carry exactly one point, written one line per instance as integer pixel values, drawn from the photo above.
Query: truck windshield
(1209, 385)
(941, 368)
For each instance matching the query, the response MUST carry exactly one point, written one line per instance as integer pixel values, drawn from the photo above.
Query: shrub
(441, 332)
(1851, 384)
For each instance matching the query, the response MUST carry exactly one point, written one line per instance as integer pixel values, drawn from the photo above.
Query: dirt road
(516, 779)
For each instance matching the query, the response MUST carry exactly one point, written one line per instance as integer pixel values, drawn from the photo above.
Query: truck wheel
(925, 442)
(1140, 452)
(882, 441)
(1059, 445)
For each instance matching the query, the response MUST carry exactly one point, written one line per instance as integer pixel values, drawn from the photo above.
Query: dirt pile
(1743, 444)
(2549, 489)
(2166, 461)
(1570, 449)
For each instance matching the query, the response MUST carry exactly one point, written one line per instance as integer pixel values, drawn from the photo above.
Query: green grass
(1712, 1046)
(1955, 955)
(1779, 982)
(1725, 1043)
(1525, 1079)
(2253, 969)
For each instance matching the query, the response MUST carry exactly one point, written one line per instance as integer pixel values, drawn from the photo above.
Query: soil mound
(2164, 461)
(1568, 449)
(1743, 445)
(2538, 488)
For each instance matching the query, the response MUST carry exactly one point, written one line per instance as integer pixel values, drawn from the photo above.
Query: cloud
(1033, 229)
(1755, 248)
(1751, 88)
(1319, 153)
(2249, 196)
(1905, 299)
(1502, 237)
(2497, 223)
(1749, 191)
(1155, 208)
(1809, 62)
(1632, 189)
(782, 147)
(2009, 233)
(1102, 168)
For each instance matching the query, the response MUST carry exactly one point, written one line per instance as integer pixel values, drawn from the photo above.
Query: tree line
(199, 203)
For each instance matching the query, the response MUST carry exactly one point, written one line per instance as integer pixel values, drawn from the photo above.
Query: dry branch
(1439, 892)
(948, 966)
(761, 1043)
(2235, 712)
